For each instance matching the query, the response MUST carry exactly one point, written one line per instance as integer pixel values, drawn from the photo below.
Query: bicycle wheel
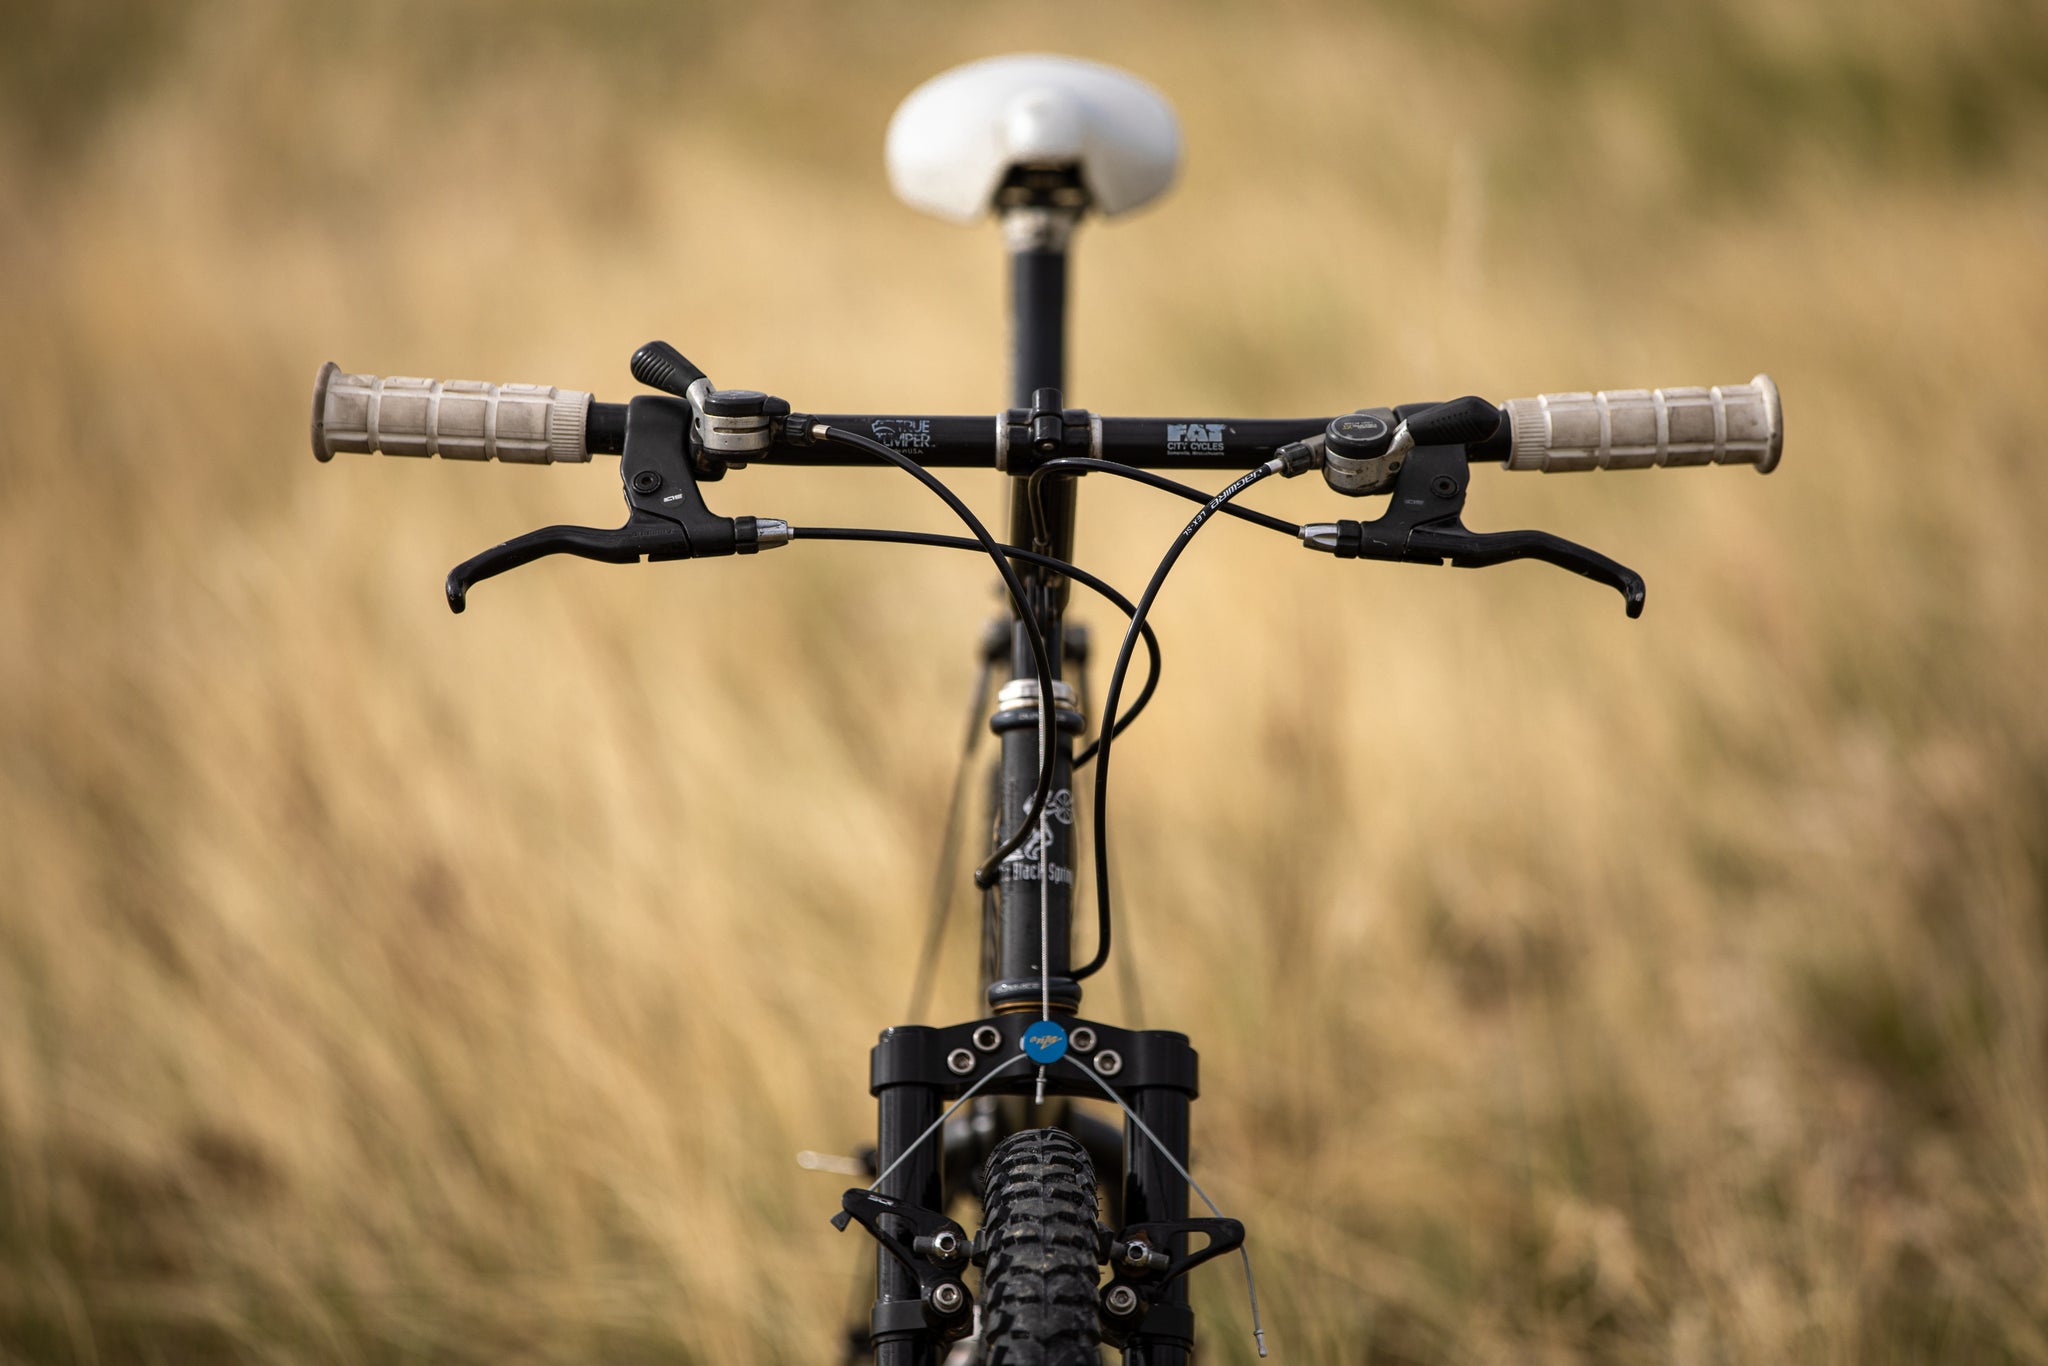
(1038, 1288)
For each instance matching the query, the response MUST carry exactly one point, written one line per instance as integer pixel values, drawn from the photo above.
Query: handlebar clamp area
(1028, 437)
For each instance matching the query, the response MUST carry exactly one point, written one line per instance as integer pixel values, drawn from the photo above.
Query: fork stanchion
(1154, 1191)
(905, 1111)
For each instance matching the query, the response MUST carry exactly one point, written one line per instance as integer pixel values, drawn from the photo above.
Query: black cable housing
(1081, 576)
(1216, 503)
(986, 874)
(1083, 464)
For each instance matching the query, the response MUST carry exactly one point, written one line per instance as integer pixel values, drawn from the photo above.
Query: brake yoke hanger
(1141, 1269)
(1422, 525)
(666, 517)
(937, 1251)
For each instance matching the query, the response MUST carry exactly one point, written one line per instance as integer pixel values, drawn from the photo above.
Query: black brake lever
(1477, 550)
(666, 518)
(1422, 525)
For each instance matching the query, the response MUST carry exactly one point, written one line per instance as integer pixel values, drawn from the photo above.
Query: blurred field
(380, 986)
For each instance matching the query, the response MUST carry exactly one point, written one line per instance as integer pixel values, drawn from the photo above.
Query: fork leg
(1154, 1190)
(901, 1338)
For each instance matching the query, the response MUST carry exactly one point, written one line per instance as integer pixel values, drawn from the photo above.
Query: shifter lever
(667, 519)
(1422, 525)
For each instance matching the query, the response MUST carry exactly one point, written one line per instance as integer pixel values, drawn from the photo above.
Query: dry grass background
(381, 986)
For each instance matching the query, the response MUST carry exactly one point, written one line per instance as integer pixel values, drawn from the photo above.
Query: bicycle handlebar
(537, 424)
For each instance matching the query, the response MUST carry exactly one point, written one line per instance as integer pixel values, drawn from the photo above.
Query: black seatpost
(1038, 209)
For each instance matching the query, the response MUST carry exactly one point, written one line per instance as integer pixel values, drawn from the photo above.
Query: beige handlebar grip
(1629, 429)
(457, 419)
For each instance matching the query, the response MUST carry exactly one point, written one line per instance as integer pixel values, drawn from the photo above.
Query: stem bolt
(948, 1297)
(1082, 1040)
(987, 1038)
(1109, 1062)
(960, 1062)
(1120, 1300)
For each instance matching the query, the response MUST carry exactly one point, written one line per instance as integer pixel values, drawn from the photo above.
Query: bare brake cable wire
(1027, 613)
(1250, 1287)
(1219, 502)
(938, 1123)
(1153, 658)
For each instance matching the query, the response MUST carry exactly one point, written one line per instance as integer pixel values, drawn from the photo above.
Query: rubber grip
(457, 419)
(1630, 429)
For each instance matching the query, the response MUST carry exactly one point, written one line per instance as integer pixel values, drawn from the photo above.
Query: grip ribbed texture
(1626, 429)
(457, 419)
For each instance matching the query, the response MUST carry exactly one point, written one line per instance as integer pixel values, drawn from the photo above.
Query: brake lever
(666, 517)
(1476, 550)
(1423, 525)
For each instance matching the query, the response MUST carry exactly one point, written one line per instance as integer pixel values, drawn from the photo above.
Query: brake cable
(1210, 507)
(1079, 575)
(986, 874)
(927, 961)
(1082, 464)
(1250, 1286)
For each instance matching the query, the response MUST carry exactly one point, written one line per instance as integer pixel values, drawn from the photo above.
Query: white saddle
(956, 137)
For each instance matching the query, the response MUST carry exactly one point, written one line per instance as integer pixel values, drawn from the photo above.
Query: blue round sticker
(1045, 1041)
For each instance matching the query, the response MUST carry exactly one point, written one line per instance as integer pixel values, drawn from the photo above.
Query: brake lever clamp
(938, 1250)
(1423, 525)
(666, 517)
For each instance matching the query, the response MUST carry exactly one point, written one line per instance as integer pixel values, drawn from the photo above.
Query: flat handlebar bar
(1740, 424)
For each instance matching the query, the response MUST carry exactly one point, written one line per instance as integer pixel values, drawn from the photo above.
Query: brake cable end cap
(1297, 458)
(1322, 536)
